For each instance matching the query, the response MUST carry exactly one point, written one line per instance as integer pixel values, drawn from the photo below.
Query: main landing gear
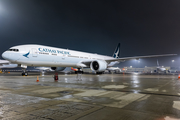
(79, 71)
(24, 73)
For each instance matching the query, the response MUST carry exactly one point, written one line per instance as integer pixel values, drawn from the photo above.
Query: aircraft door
(34, 52)
(63, 57)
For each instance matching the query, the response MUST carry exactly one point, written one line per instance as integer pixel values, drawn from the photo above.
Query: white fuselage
(39, 55)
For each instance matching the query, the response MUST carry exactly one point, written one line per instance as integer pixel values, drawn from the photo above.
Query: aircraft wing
(137, 57)
(87, 63)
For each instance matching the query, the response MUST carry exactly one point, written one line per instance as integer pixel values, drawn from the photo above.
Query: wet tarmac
(95, 97)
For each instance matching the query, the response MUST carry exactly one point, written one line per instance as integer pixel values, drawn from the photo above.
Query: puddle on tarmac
(114, 86)
(64, 97)
(152, 89)
(65, 92)
(100, 100)
(170, 118)
(164, 90)
(9, 98)
(176, 105)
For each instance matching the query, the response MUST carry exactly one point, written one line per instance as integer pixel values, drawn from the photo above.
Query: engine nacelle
(58, 68)
(98, 65)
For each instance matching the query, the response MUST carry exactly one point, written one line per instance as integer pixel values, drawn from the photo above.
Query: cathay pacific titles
(52, 51)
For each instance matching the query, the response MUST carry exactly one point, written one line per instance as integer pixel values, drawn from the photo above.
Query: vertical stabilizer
(117, 51)
(157, 63)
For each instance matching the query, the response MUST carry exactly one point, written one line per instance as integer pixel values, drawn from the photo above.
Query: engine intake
(98, 65)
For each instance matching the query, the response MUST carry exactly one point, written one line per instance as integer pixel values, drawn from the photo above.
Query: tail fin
(117, 51)
(157, 63)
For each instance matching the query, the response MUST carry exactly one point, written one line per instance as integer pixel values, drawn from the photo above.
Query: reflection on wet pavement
(121, 97)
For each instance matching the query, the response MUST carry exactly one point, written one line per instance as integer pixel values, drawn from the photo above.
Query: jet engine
(58, 68)
(98, 65)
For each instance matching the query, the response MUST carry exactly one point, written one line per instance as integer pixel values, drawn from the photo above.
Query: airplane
(160, 69)
(59, 59)
(111, 69)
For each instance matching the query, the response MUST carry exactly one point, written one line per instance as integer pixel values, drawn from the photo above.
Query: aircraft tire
(23, 74)
(26, 74)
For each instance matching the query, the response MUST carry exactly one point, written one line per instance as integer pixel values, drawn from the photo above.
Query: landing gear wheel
(23, 74)
(26, 74)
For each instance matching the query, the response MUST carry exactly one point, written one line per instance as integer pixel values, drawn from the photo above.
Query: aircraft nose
(5, 55)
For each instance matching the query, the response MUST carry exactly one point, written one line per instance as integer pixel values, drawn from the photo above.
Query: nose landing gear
(24, 73)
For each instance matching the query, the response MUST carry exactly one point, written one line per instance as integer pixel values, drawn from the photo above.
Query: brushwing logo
(26, 55)
(116, 55)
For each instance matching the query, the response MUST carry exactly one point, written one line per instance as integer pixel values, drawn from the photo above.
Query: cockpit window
(16, 50)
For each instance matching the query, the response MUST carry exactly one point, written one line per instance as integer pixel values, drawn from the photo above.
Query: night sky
(96, 26)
